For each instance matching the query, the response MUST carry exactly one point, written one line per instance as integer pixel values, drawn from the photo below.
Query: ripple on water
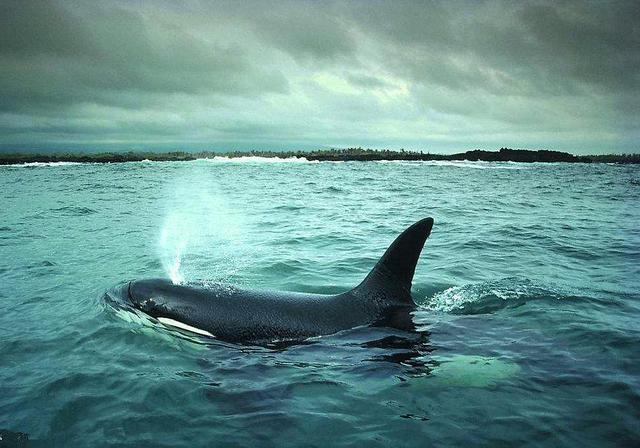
(528, 335)
(72, 210)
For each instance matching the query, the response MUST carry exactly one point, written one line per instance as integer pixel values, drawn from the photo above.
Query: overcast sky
(434, 76)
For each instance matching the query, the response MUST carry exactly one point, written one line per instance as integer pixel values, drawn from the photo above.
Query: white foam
(46, 164)
(401, 162)
(257, 159)
(478, 165)
(183, 326)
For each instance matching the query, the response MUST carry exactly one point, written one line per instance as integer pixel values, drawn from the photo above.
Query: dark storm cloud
(53, 55)
(310, 33)
(422, 74)
(529, 44)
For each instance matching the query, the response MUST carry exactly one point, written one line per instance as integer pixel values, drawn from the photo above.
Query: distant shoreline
(335, 155)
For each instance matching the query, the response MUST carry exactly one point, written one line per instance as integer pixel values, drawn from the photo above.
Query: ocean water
(527, 326)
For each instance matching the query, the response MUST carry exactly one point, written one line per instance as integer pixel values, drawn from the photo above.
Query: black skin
(250, 316)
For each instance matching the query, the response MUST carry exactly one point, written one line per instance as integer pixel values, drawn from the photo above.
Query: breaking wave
(36, 164)
(490, 296)
(257, 159)
(479, 165)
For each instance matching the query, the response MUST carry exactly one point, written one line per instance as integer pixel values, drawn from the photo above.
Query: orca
(254, 316)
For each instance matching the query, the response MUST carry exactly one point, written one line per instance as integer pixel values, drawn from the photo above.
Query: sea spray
(173, 240)
(492, 295)
(201, 236)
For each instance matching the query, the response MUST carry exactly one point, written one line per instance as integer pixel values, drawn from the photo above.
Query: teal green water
(527, 330)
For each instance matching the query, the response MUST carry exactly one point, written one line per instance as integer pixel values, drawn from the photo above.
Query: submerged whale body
(253, 316)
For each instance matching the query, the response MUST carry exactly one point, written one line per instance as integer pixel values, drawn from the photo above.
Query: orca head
(165, 301)
(151, 295)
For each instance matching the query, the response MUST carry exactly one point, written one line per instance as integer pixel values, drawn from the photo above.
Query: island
(334, 154)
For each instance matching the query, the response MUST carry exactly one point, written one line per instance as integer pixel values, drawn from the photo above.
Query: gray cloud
(429, 75)
(311, 33)
(53, 56)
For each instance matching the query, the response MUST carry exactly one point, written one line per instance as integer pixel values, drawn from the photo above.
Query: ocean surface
(527, 326)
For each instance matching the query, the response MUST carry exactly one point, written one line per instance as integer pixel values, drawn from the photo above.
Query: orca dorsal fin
(391, 277)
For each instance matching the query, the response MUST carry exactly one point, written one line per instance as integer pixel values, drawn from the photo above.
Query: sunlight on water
(473, 371)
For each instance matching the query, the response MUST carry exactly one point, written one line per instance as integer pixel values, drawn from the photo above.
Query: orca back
(390, 279)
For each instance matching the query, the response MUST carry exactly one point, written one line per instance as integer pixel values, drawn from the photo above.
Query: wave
(72, 210)
(29, 164)
(257, 159)
(401, 162)
(479, 165)
(490, 296)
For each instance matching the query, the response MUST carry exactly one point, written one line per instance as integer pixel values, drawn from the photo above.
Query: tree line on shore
(347, 154)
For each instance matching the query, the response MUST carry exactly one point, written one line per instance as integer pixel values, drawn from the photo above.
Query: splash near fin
(391, 277)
